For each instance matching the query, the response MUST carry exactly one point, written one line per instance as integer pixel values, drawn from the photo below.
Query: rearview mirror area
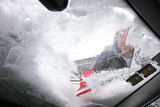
(55, 5)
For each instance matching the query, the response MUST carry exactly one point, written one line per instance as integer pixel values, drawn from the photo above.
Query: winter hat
(83, 89)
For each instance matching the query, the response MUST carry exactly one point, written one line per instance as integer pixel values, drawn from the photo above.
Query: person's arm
(101, 60)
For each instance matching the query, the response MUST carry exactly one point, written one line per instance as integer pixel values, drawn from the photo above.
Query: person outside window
(117, 56)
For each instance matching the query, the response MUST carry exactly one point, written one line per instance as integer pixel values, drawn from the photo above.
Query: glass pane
(95, 51)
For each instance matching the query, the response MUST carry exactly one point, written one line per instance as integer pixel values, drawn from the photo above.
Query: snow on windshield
(41, 46)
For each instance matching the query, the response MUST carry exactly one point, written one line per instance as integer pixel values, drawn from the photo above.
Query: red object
(83, 92)
(83, 85)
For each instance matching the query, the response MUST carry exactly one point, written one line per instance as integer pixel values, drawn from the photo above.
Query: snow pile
(29, 53)
(40, 46)
(111, 83)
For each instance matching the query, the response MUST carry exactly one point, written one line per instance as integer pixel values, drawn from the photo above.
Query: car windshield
(95, 51)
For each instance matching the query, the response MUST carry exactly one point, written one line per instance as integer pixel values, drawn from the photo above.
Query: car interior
(149, 12)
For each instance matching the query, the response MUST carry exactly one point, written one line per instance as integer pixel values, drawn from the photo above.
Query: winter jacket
(109, 60)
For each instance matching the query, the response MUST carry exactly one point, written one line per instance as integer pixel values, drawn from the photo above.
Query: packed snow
(41, 46)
